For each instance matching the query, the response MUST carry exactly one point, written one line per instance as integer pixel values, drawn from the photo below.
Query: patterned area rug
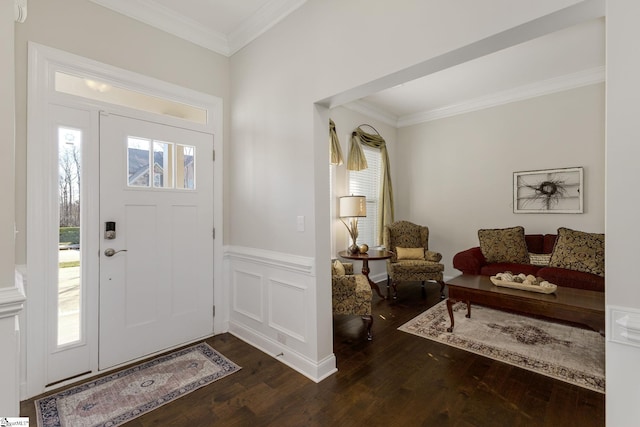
(559, 351)
(125, 395)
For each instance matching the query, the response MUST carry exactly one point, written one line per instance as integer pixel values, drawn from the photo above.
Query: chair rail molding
(20, 10)
(11, 301)
(624, 324)
(296, 263)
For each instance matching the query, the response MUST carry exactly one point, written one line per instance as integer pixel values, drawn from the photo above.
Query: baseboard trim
(315, 371)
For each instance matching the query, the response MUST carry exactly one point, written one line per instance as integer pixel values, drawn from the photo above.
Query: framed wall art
(548, 191)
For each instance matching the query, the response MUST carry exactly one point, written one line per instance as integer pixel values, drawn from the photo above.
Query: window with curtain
(367, 183)
(332, 207)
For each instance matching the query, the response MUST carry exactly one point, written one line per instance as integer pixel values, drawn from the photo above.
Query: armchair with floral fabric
(351, 293)
(412, 260)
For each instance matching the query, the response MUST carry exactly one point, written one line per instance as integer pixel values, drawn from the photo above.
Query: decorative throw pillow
(338, 268)
(432, 256)
(409, 253)
(504, 245)
(541, 260)
(579, 251)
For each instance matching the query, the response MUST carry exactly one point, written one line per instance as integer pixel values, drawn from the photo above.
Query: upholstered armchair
(351, 294)
(412, 260)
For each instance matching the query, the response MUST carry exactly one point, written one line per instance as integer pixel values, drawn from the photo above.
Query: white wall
(279, 151)
(7, 143)
(456, 174)
(623, 201)
(318, 53)
(86, 29)
(278, 77)
(10, 297)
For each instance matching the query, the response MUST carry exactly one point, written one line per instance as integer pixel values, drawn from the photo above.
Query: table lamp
(352, 207)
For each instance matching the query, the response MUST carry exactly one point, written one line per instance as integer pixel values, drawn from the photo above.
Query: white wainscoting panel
(291, 321)
(11, 303)
(273, 307)
(247, 294)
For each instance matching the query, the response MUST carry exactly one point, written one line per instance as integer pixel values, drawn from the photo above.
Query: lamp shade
(353, 206)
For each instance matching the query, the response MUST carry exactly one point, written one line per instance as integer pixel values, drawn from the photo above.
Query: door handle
(111, 252)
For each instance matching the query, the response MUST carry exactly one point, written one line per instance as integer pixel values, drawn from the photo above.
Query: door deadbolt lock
(110, 230)
(111, 252)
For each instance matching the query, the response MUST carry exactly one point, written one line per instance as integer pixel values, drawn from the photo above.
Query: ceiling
(566, 59)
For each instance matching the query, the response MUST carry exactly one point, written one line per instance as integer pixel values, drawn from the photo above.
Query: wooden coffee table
(567, 304)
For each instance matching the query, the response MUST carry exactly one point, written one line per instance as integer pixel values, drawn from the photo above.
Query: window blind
(367, 183)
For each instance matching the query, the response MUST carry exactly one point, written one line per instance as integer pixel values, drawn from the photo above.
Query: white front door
(156, 268)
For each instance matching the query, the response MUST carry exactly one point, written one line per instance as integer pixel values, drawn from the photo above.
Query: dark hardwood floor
(395, 380)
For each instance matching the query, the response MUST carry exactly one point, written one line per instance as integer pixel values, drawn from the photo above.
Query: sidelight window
(70, 288)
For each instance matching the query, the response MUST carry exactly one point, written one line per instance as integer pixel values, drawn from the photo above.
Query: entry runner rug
(127, 394)
(557, 350)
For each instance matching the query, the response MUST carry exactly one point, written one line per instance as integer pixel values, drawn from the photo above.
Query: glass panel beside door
(69, 318)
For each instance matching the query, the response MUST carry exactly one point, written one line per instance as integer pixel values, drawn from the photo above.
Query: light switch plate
(300, 222)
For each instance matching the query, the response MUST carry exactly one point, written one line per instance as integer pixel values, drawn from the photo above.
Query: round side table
(372, 255)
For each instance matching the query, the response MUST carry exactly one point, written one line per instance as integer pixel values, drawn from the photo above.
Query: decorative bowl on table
(523, 282)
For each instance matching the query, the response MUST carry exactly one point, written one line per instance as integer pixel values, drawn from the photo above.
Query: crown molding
(257, 24)
(372, 111)
(165, 19)
(544, 87)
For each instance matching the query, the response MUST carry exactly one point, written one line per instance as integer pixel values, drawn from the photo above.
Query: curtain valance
(357, 161)
(335, 152)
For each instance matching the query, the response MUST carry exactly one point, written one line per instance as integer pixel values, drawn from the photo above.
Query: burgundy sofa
(472, 261)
